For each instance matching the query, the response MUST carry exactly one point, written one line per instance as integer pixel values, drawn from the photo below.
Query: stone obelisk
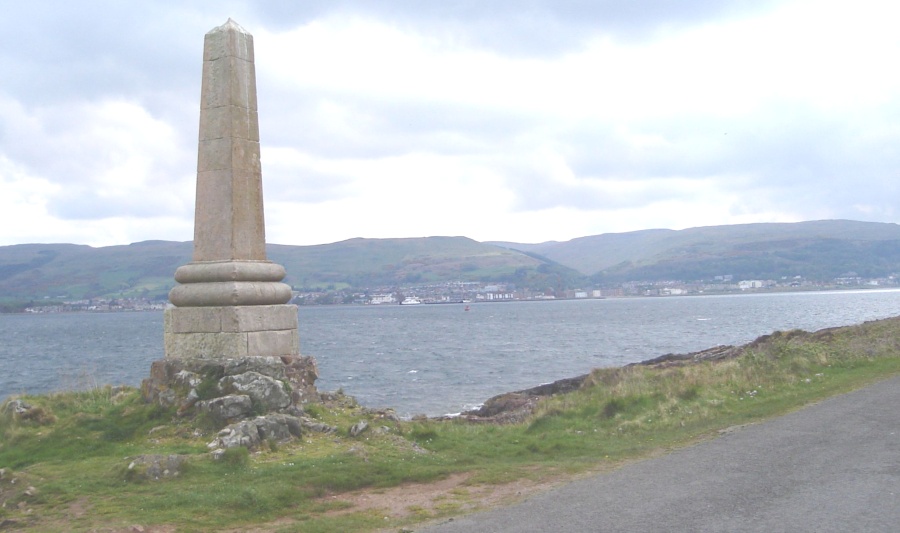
(230, 302)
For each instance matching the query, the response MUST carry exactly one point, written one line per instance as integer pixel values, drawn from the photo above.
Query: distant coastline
(101, 305)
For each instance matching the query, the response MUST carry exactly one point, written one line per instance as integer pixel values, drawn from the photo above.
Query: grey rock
(270, 428)
(187, 379)
(269, 366)
(166, 397)
(244, 433)
(192, 397)
(228, 407)
(267, 393)
(358, 428)
(156, 467)
(250, 433)
(16, 407)
(189, 401)
(318, 427)
(293, 424)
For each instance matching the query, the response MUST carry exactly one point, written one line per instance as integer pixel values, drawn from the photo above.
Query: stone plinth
(231, 331)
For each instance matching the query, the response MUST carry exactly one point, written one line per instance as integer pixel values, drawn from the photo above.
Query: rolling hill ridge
(815, 250)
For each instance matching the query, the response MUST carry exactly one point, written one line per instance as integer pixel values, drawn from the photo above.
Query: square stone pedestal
(235, 331)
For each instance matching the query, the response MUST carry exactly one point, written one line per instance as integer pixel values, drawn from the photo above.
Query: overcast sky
(521, 121)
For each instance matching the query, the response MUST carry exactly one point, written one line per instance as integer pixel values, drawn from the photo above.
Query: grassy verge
(69, 455)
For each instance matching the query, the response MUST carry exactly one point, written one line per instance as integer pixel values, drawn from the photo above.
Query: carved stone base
(233, 331)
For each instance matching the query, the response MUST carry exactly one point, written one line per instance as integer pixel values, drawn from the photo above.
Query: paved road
(834, 466)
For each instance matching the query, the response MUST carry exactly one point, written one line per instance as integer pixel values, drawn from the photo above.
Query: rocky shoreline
(513, 407)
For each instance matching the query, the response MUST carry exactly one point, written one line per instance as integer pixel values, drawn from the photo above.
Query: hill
(821, 249)
(818, 250)
(145, 269)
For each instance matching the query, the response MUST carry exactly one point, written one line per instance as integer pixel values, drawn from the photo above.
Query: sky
(523, 121)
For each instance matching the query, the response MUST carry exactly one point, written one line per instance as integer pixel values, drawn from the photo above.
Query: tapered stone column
(230, 301)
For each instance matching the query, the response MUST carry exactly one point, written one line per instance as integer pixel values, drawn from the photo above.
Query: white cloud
(490, 121)
(98, 173)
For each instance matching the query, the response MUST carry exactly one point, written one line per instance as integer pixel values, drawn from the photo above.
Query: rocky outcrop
(266, 393)
(254, 399)
(274, 382)
(710, 354)
(155, 467)
(250, 433)
(227, 408)
(20, 410)
(516, 406)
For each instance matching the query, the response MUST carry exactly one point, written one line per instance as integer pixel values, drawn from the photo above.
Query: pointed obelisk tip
(230, 24)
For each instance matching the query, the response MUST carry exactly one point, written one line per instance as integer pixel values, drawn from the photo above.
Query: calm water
(437, 359)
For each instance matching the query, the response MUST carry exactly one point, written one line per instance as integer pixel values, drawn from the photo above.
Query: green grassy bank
(64, 463)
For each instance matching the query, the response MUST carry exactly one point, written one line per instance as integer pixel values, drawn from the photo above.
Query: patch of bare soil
(453, 495)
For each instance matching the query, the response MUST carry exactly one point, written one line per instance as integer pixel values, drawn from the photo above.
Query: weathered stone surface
(318, 427)
(514, 407)
(231, 319)
(250, 433)
(302, 374)
(358, 428)
(194, 345)
(267, 394)
(16, 407)
(234, 332)
(229, 271)
(278, 343)
(278, 427)
(21, 410)
(187, 379)
(274, 367)
(155, 467)
(271, 383)
(220, 293)
(243, 433)
(230, 407)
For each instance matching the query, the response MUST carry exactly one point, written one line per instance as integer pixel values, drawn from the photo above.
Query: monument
(232, 347)
(230, 301)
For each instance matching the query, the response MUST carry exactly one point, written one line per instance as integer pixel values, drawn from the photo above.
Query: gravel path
(834, 466)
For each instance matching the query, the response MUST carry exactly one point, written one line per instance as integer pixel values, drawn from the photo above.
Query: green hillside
(820, 250)
(375, 262)
(70, 272)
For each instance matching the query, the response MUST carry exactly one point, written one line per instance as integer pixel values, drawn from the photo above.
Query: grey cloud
(291, 184)
(547, 27)
(535, 190)
(793, 157)
(51, 51)
(84, 203)
(384, 128)
(59, 52)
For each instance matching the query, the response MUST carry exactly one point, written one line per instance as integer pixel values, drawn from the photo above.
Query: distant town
(477, 292)
(473, 292)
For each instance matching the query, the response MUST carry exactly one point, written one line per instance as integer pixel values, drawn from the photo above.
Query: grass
(74, 448)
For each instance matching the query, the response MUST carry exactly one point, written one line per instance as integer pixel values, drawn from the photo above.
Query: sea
(443, 358)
